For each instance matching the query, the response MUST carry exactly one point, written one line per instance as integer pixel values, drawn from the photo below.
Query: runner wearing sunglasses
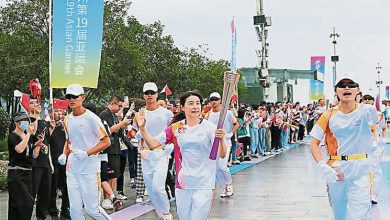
(348, 129)
(86, 137)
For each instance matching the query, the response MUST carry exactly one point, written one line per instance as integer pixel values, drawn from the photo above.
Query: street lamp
(334, 58)
(379, 82)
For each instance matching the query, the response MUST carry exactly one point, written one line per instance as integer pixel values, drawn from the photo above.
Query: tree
(132, 54)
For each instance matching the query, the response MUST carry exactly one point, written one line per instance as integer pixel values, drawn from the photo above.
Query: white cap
(215, 94)
(346, 76)
(75, 89)
(150, 86)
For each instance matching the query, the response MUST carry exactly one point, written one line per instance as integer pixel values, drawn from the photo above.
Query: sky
(300, 29)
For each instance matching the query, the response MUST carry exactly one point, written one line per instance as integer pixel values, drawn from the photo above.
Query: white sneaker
(167, 216)
(146, 192)
(106, 204)
(121, 196)
(227, 191)
(138, 200)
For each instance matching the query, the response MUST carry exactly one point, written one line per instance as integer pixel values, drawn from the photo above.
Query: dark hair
(241, 113)
(116, 99)
(91, 107)
(180, 115)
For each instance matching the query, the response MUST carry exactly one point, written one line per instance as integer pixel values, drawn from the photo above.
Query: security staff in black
(42, 165)
(114, 151)
(58, 178)
(20, 201)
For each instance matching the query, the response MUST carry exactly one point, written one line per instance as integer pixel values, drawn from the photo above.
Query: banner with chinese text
(317, 87)
(77, 42)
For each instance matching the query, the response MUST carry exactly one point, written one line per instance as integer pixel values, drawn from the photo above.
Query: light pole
(379, 82)
(261, 22)
(334, 58)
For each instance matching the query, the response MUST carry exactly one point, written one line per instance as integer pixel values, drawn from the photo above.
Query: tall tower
(261, 23)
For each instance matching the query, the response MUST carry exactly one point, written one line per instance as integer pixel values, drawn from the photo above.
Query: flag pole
(50, 59)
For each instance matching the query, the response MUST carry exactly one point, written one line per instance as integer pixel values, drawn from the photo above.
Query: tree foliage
(132, 53)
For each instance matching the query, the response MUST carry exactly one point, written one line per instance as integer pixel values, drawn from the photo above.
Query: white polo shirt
(192, 147)
(84, 132)
(228, 124)
(348, 134)
(156, 121)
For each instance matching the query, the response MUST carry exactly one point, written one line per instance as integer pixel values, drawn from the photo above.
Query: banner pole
(50, 57)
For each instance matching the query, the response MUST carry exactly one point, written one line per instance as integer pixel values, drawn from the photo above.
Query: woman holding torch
(192, 138)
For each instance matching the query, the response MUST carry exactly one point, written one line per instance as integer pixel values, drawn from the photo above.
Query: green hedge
(3, 164)
(3, 146)
(3, 175)
(4, 123)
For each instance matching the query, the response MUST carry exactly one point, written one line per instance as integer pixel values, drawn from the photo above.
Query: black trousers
(20, 201)
(41, 179)
(58, 181)
(301, 132)
(245, 141)
(310, 125)
(132, 156)
(275, 137)
(121, 178)
(170, 181)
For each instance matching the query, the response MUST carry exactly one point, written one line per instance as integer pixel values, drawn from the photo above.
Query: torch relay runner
(349, 138)
(192, 138)
(377, 151)
(86, 137)
(230, 126)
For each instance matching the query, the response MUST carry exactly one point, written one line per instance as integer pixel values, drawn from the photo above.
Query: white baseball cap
(150, 86)
(346, 76)
(74, 89)
(215, 94)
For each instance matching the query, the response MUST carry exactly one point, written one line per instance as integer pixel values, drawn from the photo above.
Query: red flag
(233, 26)
(378, 103)
(60, 104)
(235, 96)
(166, 90)
(25, 101)
(36, 89)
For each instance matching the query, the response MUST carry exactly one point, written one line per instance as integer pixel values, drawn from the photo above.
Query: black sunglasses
(69, 96)
(149, 92)
(214, 99)
(344, 85)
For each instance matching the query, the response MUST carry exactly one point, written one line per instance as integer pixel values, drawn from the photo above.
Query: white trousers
(376, 172)
(155, 184)
(193, 204)
(351, 200)
(222, 173)
(85, 189)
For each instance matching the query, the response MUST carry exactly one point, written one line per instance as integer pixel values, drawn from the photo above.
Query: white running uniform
(83, 174)
(349, 134)
(195, 172)
(155, 162)
(223, 174)
(376, 158)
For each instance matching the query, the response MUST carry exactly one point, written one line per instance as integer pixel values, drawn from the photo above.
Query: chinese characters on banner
(77, 42)
(317, 87)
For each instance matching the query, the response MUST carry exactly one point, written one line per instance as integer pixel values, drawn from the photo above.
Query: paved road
(287, 186)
